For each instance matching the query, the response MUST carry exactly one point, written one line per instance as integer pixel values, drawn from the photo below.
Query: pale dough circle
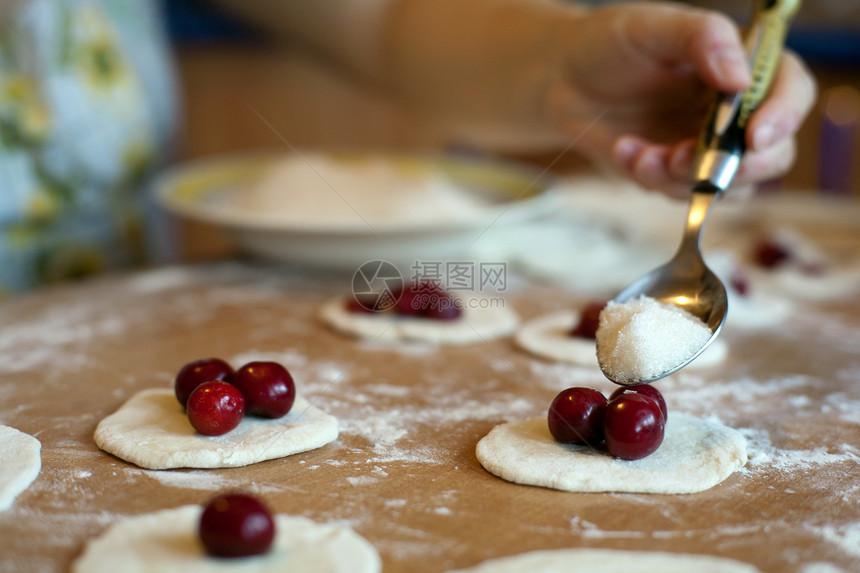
(473, 325)
(832, 284)
(609, 561)
(696, 454)
(547, 337)
(151, 430)
(757, 311)
(761, 307)
(167, 541)
(20, 463)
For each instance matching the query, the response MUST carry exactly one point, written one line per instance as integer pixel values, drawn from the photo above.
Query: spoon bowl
(686, 282)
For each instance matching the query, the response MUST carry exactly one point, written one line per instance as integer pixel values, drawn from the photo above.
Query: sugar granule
(642, 338)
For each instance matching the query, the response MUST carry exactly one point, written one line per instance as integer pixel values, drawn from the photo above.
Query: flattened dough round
(609, 561)
(830, 285)
(474, 325)
(696, 454)
(20, 463)
(166, 541)
(547, 337)
(151, 430)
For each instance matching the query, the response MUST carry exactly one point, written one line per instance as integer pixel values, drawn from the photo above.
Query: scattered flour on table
(845, 537)
(389, 429)
(361, 480)
(162, 279)
(55, 530)
(56, 336)
(201, 480)
(763, 454)
(405, 347)
(376, 412)
(820, 567)
(843, 407)
(642, 338)
(741, 395)
(59, 335)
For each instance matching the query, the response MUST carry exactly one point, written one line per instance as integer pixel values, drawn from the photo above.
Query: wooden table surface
(403, 472)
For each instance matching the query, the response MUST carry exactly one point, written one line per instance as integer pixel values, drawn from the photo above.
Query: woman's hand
(630, 84)
(653, 70)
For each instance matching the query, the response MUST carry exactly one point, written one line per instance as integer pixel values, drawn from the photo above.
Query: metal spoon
(686, 281)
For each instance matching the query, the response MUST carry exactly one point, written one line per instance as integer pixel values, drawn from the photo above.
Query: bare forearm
(347, 32)
(470, 63)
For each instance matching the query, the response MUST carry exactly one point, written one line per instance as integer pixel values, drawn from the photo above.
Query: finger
(624, 152)
(770, 163)
(791, 97)
(680, 162)
(708, 40)
(647, 163)
(650, 166)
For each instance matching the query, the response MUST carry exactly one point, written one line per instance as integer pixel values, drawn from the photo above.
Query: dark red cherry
(411, 301)
(268, 388)
(236, 525)
(645, 390)
(215, 408)
(739, 282)
(769, 254)
(195, 373)
(576, 416)
(633, 427)
(589, 320)
(441, 307)
(358, 306)
(427, 299)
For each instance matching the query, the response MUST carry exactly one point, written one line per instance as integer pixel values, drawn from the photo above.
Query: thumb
(709, 41)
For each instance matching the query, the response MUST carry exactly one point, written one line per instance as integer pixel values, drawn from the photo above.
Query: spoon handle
(722, 141)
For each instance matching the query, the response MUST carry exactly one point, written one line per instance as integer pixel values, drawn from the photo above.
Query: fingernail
(650, 166)
(650, 159)
(764, 136)
(682, 161)
(625, 150)
(731, 66)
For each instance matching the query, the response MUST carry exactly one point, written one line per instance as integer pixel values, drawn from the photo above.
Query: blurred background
(235, 90)
(226, 72)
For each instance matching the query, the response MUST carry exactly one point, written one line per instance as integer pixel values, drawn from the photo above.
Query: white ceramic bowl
(514, 194)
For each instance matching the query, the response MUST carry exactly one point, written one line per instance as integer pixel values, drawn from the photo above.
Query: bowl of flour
(338, 210)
